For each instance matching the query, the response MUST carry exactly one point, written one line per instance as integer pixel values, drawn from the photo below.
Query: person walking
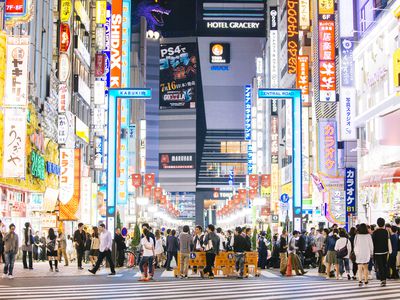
(239, 247)
(394, 239)
(43, 252)
(1, 247)
(211, 246)
(248, 239)
(94, 247)
(283, 248)
(27, 247)
(88, 244)
(52, 249)
(198, 241)
(10, 251)
(382, 248)
(343, 250)
(364, 251)
(172, 249)
(294, 258)
(62, 248)
(262, 250)
(222, 239)
(120, 243)
(79, 242)
(320, 245)
(354, 266)
(104, 250)
(36, 246)
(148, 253)
(70, 249)
(159, 249)
(331, 255)
(185, 244)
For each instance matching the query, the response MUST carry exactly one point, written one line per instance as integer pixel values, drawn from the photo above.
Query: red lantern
(147, 191)
(157, 193)
(242, 194)
(149, 180)
(65, 37)
(253, 193)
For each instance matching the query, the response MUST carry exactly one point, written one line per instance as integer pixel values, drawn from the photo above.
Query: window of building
(234, 147)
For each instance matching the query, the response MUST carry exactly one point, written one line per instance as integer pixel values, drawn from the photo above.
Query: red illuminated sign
(15, 6)
(65, 37)
(326, 40)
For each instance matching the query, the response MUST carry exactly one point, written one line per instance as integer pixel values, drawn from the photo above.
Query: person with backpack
(148, 254)
(211, 247)
(331, 255)
(52, 249)
(343, 249)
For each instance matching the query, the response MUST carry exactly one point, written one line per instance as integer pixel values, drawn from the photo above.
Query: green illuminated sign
(37, 166)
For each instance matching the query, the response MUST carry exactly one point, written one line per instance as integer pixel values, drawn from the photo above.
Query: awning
(377, 177)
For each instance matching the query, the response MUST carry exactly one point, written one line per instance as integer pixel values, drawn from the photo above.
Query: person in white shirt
(342, 243)
(222, 239)
(159, 250)
(104, 250)
(148, 255)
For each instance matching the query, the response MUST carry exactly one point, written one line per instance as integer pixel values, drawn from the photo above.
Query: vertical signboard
(304, 14)
(346, 63)
(67, 175)
(14, 140)
(326, 49)
(303, 76)
(116, 43)
(16, 89)
(293, 34)
(249, 158)
(247, 113)
(350, 189)
(347, 114)
(273, 45)
(327, 143)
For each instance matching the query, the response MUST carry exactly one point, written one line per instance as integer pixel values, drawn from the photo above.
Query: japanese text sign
(328, 147)
(350, 185)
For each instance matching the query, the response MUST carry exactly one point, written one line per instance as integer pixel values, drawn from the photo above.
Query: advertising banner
(347, 114)
(173, 161)
(178, 73)
(326, 7)
(326, 40)
(81, 130)
(327, 81)
(99, 152)
(293, 34)
(350, 186)
(273, 45)
(253, 181)
(149, 180)
(101, 10)
(136, 180)
(65, 37)
(303, 76)
(274, 139)
(266, 180)
(16, 90)
(304, 14)
(337, 207)
(116, 43)
(249, 158)
(247, 113)
(65, 10)
(14, 143)
(346, 63)
(327, 143)
(67, 175)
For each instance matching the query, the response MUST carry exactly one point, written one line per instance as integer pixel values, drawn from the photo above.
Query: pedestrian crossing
(218, 289)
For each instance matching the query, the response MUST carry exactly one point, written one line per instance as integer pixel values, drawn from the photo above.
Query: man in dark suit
(79, 241)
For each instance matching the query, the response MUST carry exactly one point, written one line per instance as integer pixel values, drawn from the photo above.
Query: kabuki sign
(16, 92)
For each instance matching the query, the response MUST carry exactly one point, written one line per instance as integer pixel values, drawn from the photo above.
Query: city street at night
(199, 149)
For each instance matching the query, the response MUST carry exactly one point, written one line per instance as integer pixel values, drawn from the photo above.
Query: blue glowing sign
(247, 113)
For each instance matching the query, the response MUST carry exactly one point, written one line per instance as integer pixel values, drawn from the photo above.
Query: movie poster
(178, 70)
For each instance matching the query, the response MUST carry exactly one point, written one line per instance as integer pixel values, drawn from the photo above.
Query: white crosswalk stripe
(218, 289)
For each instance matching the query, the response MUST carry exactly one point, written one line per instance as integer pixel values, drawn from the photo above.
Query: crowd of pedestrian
(335, 252)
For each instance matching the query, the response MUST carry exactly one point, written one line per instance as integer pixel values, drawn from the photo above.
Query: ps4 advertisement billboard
(178, 74)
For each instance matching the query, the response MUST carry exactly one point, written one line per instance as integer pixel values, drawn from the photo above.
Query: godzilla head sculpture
(153, 12)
